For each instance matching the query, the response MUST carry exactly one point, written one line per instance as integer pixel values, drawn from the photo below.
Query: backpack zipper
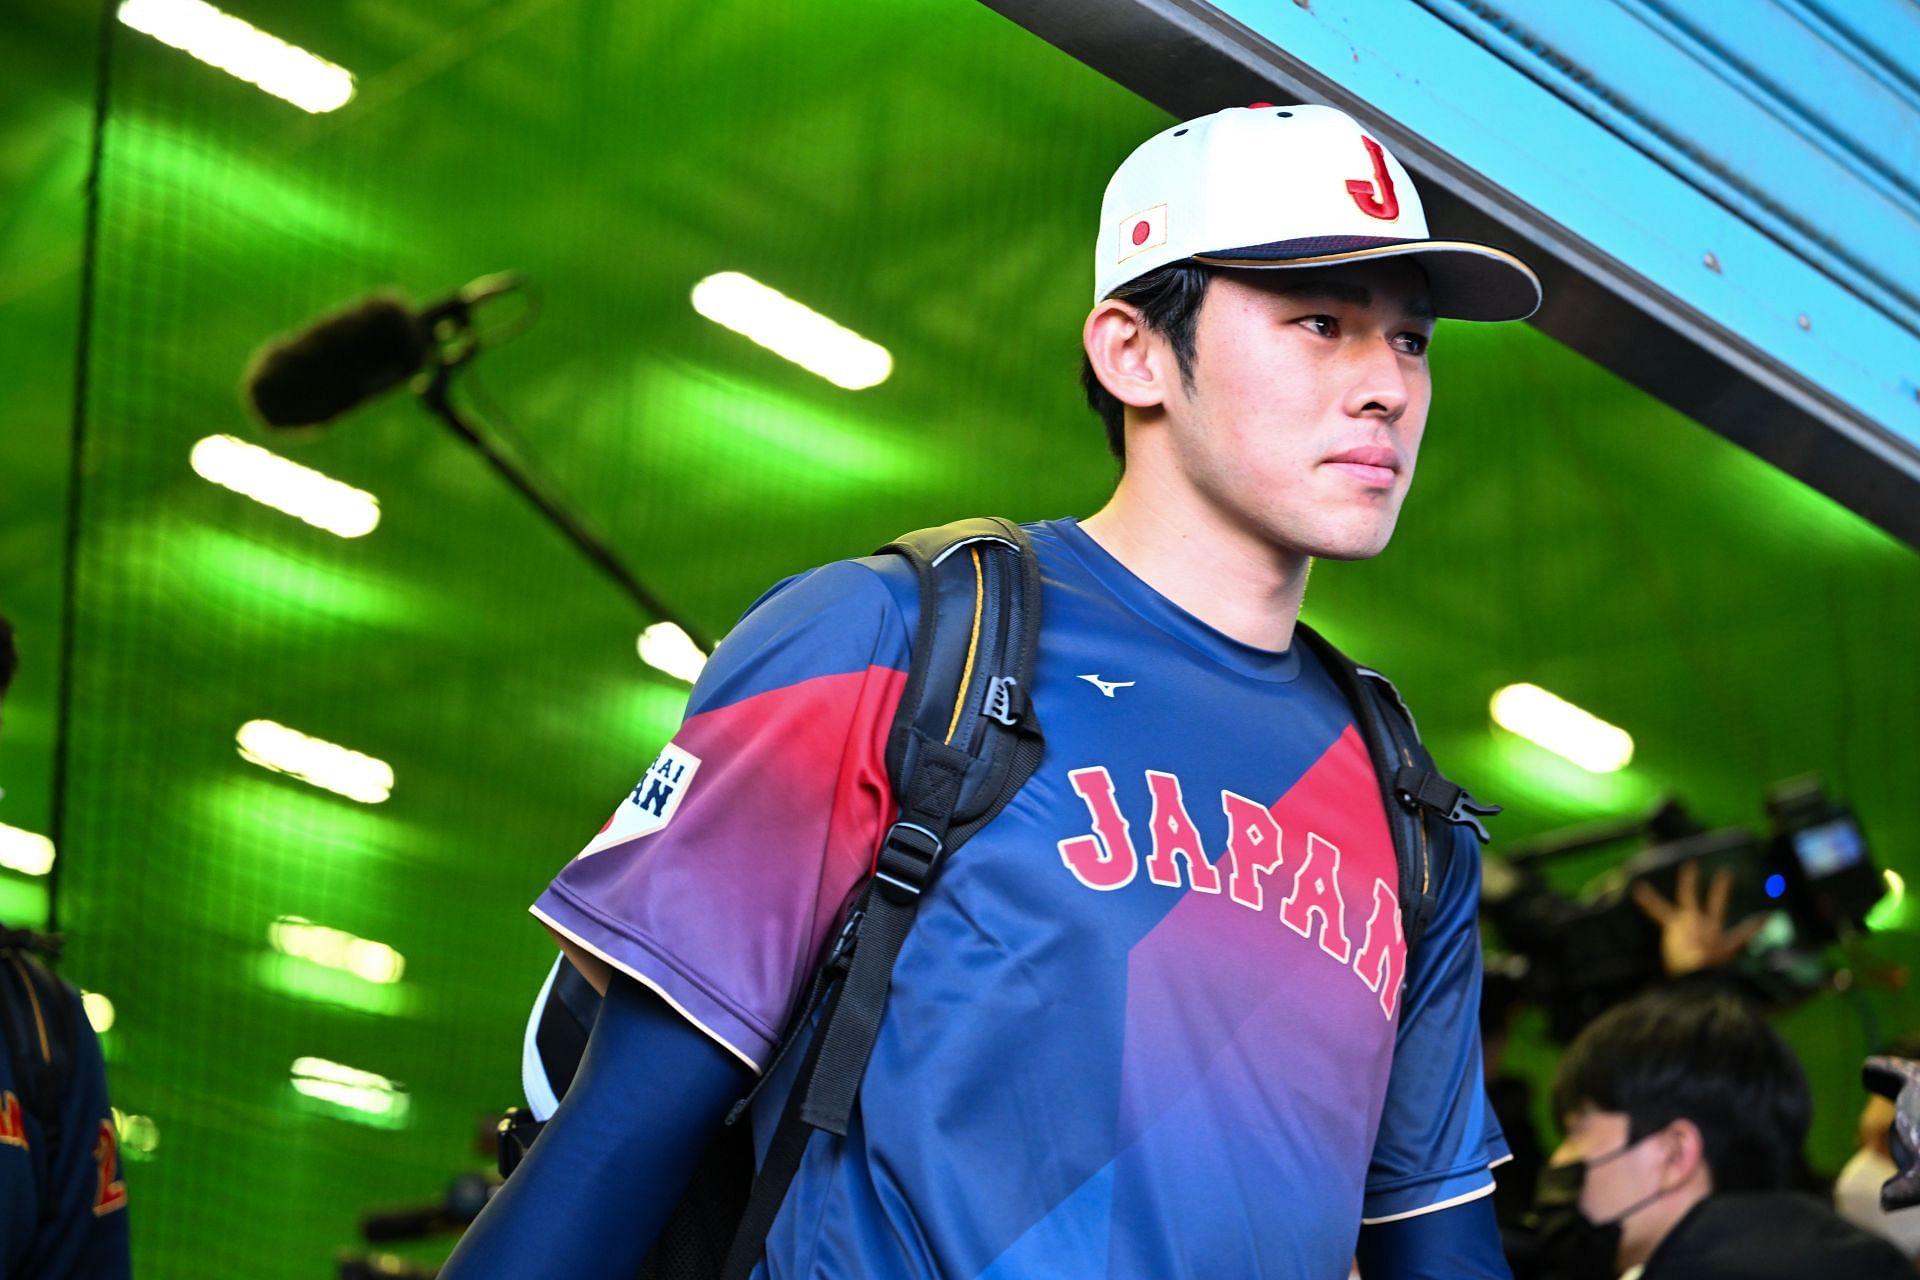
(973, 647)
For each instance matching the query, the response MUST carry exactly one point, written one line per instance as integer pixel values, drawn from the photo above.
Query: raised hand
(1691, 937)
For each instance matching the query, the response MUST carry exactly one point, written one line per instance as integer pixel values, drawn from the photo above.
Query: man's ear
(1683, 1156)
(1132, 361)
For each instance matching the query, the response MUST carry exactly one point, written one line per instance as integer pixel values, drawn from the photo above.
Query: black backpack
(964, 740)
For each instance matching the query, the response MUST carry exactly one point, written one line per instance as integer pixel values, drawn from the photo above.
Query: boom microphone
(352, 355)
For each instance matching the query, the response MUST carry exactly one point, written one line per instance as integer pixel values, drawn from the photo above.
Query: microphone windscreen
(336, 363)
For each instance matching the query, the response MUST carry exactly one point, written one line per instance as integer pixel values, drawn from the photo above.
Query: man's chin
(1348, 530)
(1358, 546)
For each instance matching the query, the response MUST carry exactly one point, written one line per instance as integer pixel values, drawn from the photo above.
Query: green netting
(921, 171)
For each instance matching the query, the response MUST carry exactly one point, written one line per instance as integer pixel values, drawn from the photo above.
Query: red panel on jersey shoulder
(744, 842)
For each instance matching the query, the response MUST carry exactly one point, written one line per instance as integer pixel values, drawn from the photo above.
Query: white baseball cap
(1289, 186)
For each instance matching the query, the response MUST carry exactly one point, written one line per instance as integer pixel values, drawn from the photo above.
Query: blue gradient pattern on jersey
(780, 641)
(1145, 1023)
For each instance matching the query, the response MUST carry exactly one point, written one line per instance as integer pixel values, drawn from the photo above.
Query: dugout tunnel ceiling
(924, 171)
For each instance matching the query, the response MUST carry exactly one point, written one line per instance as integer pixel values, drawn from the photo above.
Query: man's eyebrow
(1418, 306)
(1338, 290)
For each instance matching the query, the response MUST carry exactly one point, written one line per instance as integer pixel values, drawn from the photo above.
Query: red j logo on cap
(1383, 205)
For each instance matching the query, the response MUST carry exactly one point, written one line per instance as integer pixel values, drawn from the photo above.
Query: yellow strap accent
(33, 998)
(973, 642)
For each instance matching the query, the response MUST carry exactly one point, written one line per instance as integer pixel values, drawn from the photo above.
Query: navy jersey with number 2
(1157, 1019)
(63, 1207)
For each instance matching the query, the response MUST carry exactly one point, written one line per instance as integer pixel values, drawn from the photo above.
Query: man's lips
(1374, 465)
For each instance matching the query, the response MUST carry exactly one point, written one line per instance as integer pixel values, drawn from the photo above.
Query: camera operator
(1684, 1114)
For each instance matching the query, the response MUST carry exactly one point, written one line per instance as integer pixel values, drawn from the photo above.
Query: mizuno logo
(1106, 687)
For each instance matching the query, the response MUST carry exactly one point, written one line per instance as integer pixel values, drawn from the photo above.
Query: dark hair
(9, 656)
(1169, 299)
(1708, 1057)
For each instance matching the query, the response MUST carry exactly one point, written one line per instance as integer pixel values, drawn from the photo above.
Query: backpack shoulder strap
(964, 740)
(1422, 805)
(964, 737)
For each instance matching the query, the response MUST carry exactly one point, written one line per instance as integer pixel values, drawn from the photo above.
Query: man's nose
(1379, 388)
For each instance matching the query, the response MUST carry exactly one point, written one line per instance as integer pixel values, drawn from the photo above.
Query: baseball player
(1158, 1017)
(62, 1198)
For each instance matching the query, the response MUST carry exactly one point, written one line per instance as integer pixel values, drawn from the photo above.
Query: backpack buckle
(1006, 701)
(1424, 789)
(515, 1132)
(838, 959)
(906, 860)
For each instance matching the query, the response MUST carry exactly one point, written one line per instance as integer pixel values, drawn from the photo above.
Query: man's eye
(1414, 344)
(1322, 325)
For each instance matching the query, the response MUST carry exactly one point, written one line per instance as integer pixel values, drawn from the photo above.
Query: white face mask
(1856, 1197)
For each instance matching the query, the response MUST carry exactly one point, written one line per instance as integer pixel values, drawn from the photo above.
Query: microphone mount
(450, 342)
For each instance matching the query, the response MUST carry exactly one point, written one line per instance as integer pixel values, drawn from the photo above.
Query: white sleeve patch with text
(653, 802)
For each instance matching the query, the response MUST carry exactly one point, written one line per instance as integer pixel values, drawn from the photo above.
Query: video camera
(1811, 873)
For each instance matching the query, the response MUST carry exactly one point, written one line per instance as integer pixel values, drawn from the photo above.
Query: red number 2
(106, 1156)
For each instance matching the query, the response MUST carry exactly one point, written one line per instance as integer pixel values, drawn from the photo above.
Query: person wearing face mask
(1856, 1192)
(1685, 1114)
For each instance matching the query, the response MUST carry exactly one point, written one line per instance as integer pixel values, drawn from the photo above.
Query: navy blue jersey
(62, 1212)
(1156, 1019)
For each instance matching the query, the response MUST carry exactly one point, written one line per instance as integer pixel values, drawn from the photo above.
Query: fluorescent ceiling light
(25, 852)
(1562, 728)
(285, 485)
(665, 647)
(336, 949)
(299, 979)
(138, 1133)
(242, 50)
(316, 761)
(363, 1092)
(792, 330)
(99, 1010)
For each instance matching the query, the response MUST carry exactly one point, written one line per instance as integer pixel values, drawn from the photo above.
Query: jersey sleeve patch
(655, 799)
